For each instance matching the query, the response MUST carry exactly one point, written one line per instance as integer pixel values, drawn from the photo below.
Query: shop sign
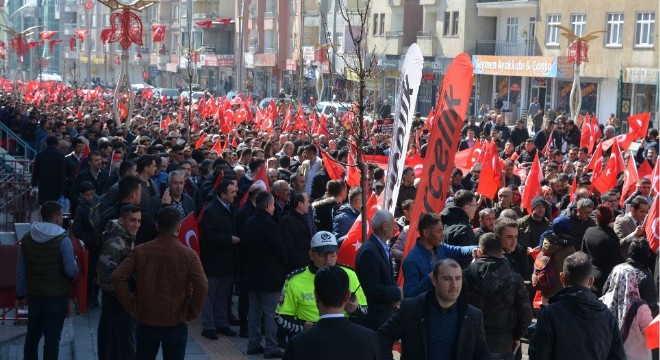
(371, 83)
(564, 68)
(170, 67)
(325, 67)
(265, 60)
(291, 64)
(387, 64)
(432, 66)
(587, 89)
(225, 60)
(534, 66)
(641, 75)
(392, 74)
(249, 60)
(308, 53)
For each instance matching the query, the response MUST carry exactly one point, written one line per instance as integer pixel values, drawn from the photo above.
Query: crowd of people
(474, 279)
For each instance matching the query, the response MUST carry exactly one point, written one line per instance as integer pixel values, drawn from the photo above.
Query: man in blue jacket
(429, 249)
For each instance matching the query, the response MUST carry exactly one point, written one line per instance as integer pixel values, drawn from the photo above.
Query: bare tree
(361, 63)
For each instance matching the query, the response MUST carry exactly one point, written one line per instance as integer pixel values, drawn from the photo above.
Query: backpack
(544, 277)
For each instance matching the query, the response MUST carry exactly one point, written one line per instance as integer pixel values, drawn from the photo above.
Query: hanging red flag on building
(45, 35)
(189, 233)
(157, 33)
(72, 43)
(106, 34)
(205, 23)
(223, 20)
(80, 35)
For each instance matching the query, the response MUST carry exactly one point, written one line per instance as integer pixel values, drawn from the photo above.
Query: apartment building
(626, 54)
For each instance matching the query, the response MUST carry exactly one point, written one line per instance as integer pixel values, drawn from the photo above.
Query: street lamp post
(577, 54)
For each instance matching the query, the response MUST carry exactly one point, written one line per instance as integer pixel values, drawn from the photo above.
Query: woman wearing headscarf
(602, 245)
(632, 313)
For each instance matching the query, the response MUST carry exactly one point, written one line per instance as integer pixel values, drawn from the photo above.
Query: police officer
(297, 309)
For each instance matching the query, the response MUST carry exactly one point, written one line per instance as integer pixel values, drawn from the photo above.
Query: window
(552, 33)
(512, 30)
(614, 30)
(174, 10)
(450, 25)
(375, 25)
(82, 21)
(94, 17)
(382, 24)
(578, 23)
(645, 29)
(106, 20)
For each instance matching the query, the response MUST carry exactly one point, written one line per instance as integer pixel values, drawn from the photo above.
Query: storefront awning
(530, 66)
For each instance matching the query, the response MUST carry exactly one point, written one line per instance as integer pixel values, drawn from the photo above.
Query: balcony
(426, 41)
(394, 42)
(504, 48)
(491, 7)
(204, 15)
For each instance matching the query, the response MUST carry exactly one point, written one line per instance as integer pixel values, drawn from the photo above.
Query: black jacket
(319, 183)
(374, 271)
(156, 204)
(409, 323)
(246, 211)
(602, 246)
(333, 339)
(579, 226)
(216, 229)
(489, 284)
(49, 174)
(86, 175)
(576, 325)
(265, 253)
(324, 212)
(296, 236)
(457, 227)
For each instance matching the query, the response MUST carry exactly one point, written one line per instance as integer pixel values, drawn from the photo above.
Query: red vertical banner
(443, 142)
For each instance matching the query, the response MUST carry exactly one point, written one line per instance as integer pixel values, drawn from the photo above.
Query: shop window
(552, 33)
(614, 37)
(645, 29)
(578, 23)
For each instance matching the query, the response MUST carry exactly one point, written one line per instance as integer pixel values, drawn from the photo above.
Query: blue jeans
(46, 316)
(172, 338)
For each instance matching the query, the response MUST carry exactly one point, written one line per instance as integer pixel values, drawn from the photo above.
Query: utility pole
(239, 69)
(301, 65)
(333, 47)
(89, 10)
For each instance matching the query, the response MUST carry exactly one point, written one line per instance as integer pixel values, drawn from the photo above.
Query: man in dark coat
(374, 269)
(48, 172)
(334, 336)
(456, 219)
(436, 323)
(218, 247)
(576, 324)
(489, 284)
(265, 274)
(295, 231)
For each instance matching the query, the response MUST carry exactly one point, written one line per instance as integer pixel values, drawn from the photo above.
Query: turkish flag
(79, 114)
(205, 23)
(596, 134)
(624, 141)
(607, 180)
(272, 111)
(301, 122)
(242, 114)
(532, 185)
(260, 178)
(189, 233)
(352, 172)
(652, 333)
(630, 178)
(334, 170)
(217, 147)
(157, 33)
(655, 177)
(322, 129)
(639, 124)
(223, 20)
(72, 43)
(163, 100)
(80, 35)
(585, 134)
(491, 172)
(351, 245)
(573, 188)
(430, 120)
(462, 158)
(105, 35)
(644, 170)
(596, 163)
(45, 35)
(164, 124)
(288, 120)
(652, 224)
(123, 111)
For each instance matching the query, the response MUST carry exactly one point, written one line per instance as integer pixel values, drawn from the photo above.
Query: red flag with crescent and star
(189, 233)
(351, 245)
(652, 224)
(157, 33)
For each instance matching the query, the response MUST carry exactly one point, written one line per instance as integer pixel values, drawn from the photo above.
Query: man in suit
(48, 172)
(630, 226)
(218, 246)
(374, 270)
(334, 336)
(72, 164)
(436, 324)
(93, 173)
(173, 196)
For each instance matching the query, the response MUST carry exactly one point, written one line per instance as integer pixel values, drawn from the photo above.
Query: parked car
(196, 96)
(172, 94)
(336, 109)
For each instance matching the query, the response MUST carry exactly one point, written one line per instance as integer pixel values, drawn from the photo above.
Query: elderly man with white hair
(374, 270)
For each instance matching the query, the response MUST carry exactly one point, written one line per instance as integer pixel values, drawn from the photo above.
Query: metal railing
(425, 34)
(14, 144)
(506, 48)
(15, 184)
